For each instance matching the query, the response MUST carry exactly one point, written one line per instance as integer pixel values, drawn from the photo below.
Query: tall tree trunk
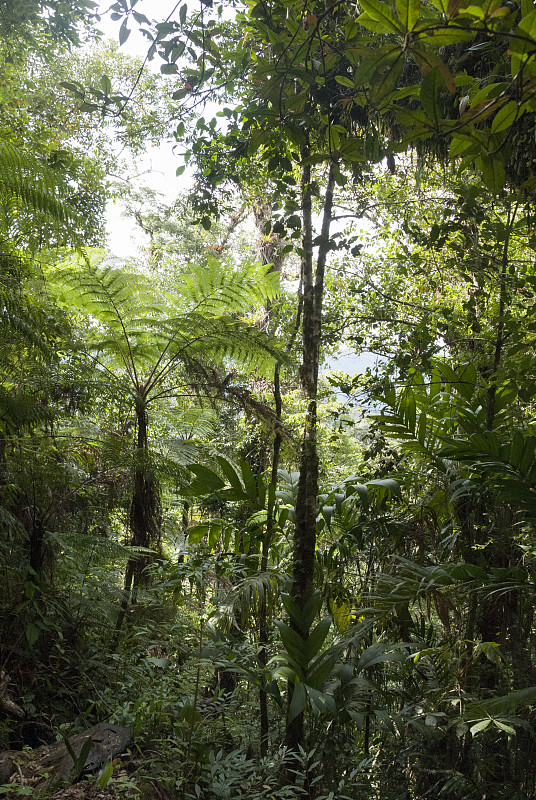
(305, 526)
(270, 249)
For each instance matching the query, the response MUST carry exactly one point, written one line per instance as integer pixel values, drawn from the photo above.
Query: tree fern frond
(139, 333)
(27, 184)
(215, 288)
(91, 547)
(192, 423)
(21, 409)
(227, 338)
(113, 296)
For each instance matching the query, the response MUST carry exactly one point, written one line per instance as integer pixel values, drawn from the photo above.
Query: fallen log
(53, 764)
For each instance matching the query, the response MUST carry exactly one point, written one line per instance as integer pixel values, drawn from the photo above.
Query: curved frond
(214, 288)
(26, 184)
(246, 598)
(128, 324)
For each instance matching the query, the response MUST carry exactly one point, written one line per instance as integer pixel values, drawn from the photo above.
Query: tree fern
(147, 334)
(30, 188)
(214, 288)
(155, 346)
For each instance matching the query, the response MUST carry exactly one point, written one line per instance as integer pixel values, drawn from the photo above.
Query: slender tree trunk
(499, 339)
(270, 252)
(305, 526)
(263, 615)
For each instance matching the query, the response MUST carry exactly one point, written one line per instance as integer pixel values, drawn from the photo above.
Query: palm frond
(498, 706)
(246, 598)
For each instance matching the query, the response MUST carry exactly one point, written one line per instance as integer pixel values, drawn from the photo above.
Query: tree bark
(305, 526)
(145, 515)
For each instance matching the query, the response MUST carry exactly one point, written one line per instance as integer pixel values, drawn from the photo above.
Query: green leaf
(505, 117)
(388, 484)
(376, 654)
(378, 17)
(441, 5)
(302, 618)
(124, 32)
(386, 81)
(158, 662)
(505, 704)
(72, 87)
(493, 171)
(320, 700)
(435, 383)
(503, 727)
(361, 491)
(293, 643)
(460, 145)
(343, 613)
(480, 726)
(197, 532)
(525, 43)
(327, 513)
(80, 761)
(522, 46)
(208, 479)
(32, 633)
(231, 475)
(316, 638)
(421, 429)
(214, 535)
(261, 491)
(431, 85)
(462, 382)
(343, 81)
(105, 775)
(320, 669)
(249, 480)
(106, 85)
(297, 704)
(449, 35)
(408, 12)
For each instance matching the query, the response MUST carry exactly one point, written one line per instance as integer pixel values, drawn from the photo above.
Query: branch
(5, 700)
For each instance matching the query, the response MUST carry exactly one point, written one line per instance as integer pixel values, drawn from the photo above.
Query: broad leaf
(378, 17)
(493, 171)
(408, 12)
(431, 85)
(297, 704)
